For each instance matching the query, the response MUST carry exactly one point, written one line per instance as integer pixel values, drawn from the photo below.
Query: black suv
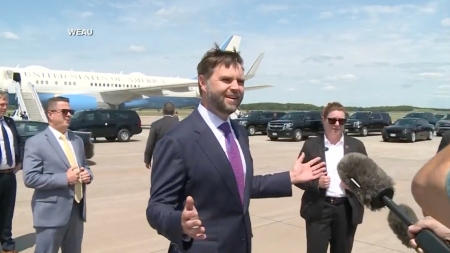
(366, 122)
(428, 116)
(256, 121)
(111, 124)
(296, 125)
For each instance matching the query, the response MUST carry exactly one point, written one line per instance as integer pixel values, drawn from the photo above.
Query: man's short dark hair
(168, 109)
(51, 103)
(217, 57)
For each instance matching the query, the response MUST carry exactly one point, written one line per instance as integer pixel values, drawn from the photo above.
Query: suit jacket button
(243, 241)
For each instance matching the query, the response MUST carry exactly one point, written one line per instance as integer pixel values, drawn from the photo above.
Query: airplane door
(17, 77)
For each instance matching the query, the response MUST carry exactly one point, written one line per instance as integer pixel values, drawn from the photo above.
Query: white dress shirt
(333, 156)
(61, 142)
(214, 122)
(4, 165)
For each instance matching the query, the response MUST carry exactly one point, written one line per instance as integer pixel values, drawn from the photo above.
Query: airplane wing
(257, 87)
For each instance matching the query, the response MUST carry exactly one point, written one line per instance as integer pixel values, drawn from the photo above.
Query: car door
(108, 123)
(375, 122)
(88, 123)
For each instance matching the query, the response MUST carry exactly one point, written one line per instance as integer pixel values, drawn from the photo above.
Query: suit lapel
(347, 145)
(56, 147)
(213, 150)
(248, 165)
(76, 148)
(321, 147)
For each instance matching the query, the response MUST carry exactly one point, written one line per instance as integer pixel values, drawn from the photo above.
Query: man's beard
(217, 101)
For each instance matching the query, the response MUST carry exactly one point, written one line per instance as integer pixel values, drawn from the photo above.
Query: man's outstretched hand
(304, 172)
(190, 222)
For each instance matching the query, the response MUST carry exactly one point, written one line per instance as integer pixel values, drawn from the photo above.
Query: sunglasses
(65, 111)
(333, 121)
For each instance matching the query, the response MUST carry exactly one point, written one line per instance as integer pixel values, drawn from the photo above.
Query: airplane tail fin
(233, 42)
(252, 71)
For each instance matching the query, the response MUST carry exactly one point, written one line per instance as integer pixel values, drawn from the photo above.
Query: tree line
(311, 107)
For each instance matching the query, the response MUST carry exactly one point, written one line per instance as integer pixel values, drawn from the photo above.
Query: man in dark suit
(158, 129)
(445, 140)
(331, 212)
(11, 156)
(206, 159)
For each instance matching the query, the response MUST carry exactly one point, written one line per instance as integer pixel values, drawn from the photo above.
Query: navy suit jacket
(189, 161)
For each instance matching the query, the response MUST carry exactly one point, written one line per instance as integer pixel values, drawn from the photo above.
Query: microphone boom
(375, 190)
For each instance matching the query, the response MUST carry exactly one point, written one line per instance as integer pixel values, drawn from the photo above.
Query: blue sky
(357, 52)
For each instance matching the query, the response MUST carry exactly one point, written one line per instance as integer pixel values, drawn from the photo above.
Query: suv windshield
(250, 115)
(293, 116)
(405, 122)
(359, 115)
(414, 115)
(446, 117)
(76, 115)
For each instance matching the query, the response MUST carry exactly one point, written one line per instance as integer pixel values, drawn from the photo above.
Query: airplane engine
(78, 102)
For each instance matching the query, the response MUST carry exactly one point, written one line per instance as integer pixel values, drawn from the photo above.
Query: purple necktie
(235, 158)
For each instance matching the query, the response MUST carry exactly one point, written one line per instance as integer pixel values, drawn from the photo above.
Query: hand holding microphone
(427, 223)
(375, 190)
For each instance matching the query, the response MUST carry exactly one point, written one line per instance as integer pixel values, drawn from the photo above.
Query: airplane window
(42, 82)
(104, 85)
(116, 84)
(46, 82)
(65, 83)
(92, 84)
(74, 83)
(56, 82)
(108, 84)
(37, 82)
(70, 83)
(95, 84)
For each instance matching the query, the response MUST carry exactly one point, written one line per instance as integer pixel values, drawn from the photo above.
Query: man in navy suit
(206, 159)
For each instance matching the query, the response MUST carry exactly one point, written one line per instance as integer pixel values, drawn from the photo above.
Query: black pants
(334, 228)
(8, 188)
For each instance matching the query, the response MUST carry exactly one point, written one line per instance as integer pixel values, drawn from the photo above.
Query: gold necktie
(73, 163)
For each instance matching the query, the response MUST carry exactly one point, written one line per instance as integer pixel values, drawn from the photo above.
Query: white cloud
(431, 74)
(270, 8)
(329, 87)
(86, 14)
(134, 48)
(10, 36)
(445, 22)
(325, 14)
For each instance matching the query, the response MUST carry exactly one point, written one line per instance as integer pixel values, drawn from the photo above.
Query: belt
(335, 200)
(7, 171)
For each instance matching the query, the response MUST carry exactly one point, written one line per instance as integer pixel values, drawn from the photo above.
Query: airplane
(91, 90)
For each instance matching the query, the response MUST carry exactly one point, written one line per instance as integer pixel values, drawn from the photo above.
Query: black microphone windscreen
(397, 226)
(365, 179)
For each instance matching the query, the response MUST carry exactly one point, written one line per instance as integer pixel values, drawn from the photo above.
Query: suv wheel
(298, 135)
(123, 135)
(364, 132)
(273, 138)
(412, 138)
(430, 135)
(251, 130)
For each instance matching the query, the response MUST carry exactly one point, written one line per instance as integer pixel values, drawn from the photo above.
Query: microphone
(375, 190)
(325, 149)
(399, 228)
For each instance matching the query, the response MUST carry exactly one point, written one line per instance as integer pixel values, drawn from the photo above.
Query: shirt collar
(57, 133)
(210, 118)
(339, 143)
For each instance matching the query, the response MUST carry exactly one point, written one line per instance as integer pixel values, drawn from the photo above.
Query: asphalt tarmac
(118, 197)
